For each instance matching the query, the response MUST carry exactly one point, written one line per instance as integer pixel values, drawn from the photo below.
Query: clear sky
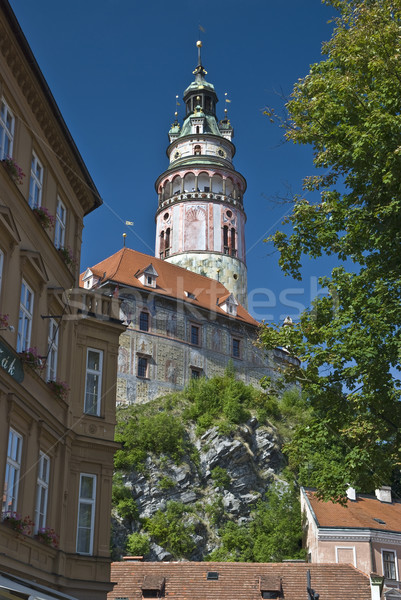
(115, 67)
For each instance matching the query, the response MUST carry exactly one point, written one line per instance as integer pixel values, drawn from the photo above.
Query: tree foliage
(273, 534)
(172, 529)
(349, 109)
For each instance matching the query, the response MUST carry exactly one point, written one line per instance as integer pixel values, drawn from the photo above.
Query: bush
(159, 433)
(166, 483)
(122, 500)
(138, 544)
(169, 530)
(220, 477)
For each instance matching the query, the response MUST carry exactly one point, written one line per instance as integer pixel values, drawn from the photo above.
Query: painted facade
(58, 351)
(180, 325)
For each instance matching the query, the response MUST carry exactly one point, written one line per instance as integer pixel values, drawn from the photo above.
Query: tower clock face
(221, 153)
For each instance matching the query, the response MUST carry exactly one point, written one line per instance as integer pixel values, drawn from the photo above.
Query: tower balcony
(198, 195)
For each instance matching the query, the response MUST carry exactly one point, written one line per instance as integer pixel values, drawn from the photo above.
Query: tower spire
(200, 71)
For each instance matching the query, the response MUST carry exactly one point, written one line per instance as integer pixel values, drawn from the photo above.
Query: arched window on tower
(208, 104)
(167, 243)
(226, 248)
(161, 249)
(197, 129)
(233, 246)
(197, 150)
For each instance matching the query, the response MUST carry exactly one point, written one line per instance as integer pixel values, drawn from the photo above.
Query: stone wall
(171, 358)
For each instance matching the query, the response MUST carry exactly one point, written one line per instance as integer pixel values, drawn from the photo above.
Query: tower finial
(199, 45)
(200, 71)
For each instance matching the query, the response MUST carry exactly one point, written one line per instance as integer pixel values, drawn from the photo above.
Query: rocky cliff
(219, 478)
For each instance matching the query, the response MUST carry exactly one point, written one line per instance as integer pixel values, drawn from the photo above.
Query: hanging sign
(10, 362)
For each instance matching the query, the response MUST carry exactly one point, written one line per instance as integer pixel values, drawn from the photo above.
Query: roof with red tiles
(359, 513)
(124, 267)
(239, 581)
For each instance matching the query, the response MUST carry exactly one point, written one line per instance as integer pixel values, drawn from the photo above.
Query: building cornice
(34, 87)
(352, 534)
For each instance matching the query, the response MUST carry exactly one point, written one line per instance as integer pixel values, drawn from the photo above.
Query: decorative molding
(45, 117)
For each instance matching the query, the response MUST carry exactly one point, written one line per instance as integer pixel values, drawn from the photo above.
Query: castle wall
(170, 355)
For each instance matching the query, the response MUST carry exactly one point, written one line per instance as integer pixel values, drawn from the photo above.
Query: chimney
(351, 493)
(133, 558)
(384, 493)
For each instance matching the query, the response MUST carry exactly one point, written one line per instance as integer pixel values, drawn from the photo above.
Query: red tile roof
(239, 581)
(124, 266)
(359, 513)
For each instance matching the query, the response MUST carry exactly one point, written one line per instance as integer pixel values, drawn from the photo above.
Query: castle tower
(200, 220)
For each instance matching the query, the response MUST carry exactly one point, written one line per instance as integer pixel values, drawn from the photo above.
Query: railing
(202, 195)
(105, 306)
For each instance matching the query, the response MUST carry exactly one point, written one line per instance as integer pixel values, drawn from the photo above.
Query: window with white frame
(36, 182)
(42, 491)
(61, 218)
(25, 317)
(52, 351)
(13, 471)
(86, 513)
(93, 387)
(389, 564)
(7, 122)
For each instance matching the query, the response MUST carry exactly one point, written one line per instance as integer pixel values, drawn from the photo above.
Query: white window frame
(36, 182)
(13, 472)
(83, 503)
(5, 131)
(42, 491)
(346, 548)
(52, 351)
(394, 552)
(25, 317)
(88, 406)
(61, 220)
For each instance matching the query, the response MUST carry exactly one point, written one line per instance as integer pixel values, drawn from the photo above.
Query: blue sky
(115, 67)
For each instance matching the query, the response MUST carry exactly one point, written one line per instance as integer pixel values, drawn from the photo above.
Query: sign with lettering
(11, 362)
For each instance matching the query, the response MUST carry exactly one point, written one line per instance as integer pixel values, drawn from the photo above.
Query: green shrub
(138, 544)
(220, 477)
(171, 532)
(122, 500)
(165, 483)
(159, 433)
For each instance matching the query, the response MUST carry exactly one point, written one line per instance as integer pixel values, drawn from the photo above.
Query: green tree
(349, 109)
(171, 531)
(273, 534)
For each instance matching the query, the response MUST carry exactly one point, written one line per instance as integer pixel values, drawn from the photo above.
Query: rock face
(247, 462)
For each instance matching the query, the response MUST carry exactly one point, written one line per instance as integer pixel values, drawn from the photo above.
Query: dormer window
(229, 305)
(153, 586)
(148, 276)
(270, 587)
(89, 280)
